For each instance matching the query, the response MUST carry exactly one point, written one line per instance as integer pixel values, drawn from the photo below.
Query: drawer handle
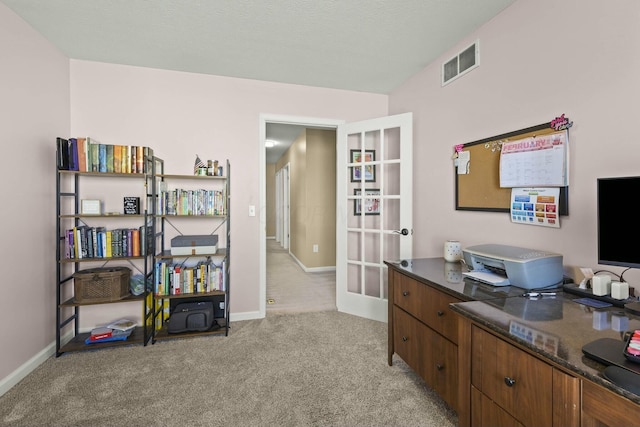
(440, 313)
(509, 381)
(439, 367)
(405, 293)
(405, 339)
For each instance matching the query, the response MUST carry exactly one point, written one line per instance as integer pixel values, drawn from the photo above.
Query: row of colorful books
(176, 278)
(88, 155)
(192, 202)
(98, 242)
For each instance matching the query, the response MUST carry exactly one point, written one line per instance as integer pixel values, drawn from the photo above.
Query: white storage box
(195, 245)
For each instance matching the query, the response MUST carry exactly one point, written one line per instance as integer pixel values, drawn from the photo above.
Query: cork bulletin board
(479, 189)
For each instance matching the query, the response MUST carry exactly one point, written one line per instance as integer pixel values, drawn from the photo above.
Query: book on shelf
(95, 155)
(109, 158)
(122, 325)
(140, 159)
(135, 239)
(134, 161)
(100, 330)
(73, 154)
(126, 158)
(117, 158)
(114, 335)
(82, 154)
(62, 151)
(102, 158)
(69, 250)
(107, 249)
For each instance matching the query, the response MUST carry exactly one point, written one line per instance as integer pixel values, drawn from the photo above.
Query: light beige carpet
(310, 369)
(292, 290)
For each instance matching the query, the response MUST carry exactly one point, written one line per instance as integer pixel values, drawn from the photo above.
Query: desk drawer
(427, 304)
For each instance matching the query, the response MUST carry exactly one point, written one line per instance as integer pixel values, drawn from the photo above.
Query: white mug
(452, 251)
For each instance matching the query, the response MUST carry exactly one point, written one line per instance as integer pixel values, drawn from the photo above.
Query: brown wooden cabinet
(423, 332)
(512, 387)
(602, 407)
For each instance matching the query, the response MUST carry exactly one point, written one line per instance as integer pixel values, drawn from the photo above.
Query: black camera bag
(192, 316)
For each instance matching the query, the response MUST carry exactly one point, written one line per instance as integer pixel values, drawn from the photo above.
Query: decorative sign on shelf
(91, 207)
(132, 205)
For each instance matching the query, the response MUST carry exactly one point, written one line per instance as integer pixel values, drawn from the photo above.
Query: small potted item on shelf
(199, 168)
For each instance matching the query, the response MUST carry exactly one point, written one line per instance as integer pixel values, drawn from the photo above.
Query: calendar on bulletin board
(479, 184)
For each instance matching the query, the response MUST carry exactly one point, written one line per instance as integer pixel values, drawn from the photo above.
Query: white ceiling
(360, 45)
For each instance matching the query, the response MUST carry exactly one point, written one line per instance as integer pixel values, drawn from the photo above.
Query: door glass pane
(392, 144)
(391, 214)
(354, 246)
(354, 278)
(372, 141)
(372, 282)
(372, 248)
(392, 247)
(391, 179)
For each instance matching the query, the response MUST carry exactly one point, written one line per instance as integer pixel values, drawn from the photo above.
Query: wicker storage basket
(102, 284)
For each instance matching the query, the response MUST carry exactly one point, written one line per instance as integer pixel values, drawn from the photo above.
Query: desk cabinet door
(518, 382)
(602, 407)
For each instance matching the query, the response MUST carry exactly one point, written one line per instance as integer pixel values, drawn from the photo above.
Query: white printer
(524, 268)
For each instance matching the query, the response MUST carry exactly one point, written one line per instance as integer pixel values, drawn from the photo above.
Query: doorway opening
(305, 289)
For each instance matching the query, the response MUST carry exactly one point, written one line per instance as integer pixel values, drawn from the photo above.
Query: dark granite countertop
(555, 327)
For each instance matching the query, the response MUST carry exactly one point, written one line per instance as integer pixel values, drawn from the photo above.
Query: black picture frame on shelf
(369, 170)
(371, 203)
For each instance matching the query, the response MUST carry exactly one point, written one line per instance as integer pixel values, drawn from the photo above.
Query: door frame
(263, 120)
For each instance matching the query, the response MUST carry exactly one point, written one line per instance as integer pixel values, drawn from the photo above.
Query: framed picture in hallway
(369, 170)
(371, 201)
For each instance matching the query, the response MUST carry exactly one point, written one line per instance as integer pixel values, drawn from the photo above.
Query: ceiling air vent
(461, 64)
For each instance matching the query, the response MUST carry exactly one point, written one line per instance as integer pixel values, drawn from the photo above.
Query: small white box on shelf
(194, 245)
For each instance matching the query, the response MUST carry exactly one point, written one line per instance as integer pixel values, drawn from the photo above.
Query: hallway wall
(312, 160)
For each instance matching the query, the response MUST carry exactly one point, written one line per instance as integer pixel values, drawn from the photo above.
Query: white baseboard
(312, 269)
(249, 315)
(26, 368)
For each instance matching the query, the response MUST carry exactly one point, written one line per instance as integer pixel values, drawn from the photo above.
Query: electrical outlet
(315, 248)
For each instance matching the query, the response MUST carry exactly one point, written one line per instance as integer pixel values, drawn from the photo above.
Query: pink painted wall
(34, 109)
(538, 59)
(180, 114)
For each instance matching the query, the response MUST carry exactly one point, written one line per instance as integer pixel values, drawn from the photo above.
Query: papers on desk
(489, 277)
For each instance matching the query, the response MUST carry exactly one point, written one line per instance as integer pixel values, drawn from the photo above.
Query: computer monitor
(618, 222)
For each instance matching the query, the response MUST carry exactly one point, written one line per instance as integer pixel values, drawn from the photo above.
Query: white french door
(374, 219)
